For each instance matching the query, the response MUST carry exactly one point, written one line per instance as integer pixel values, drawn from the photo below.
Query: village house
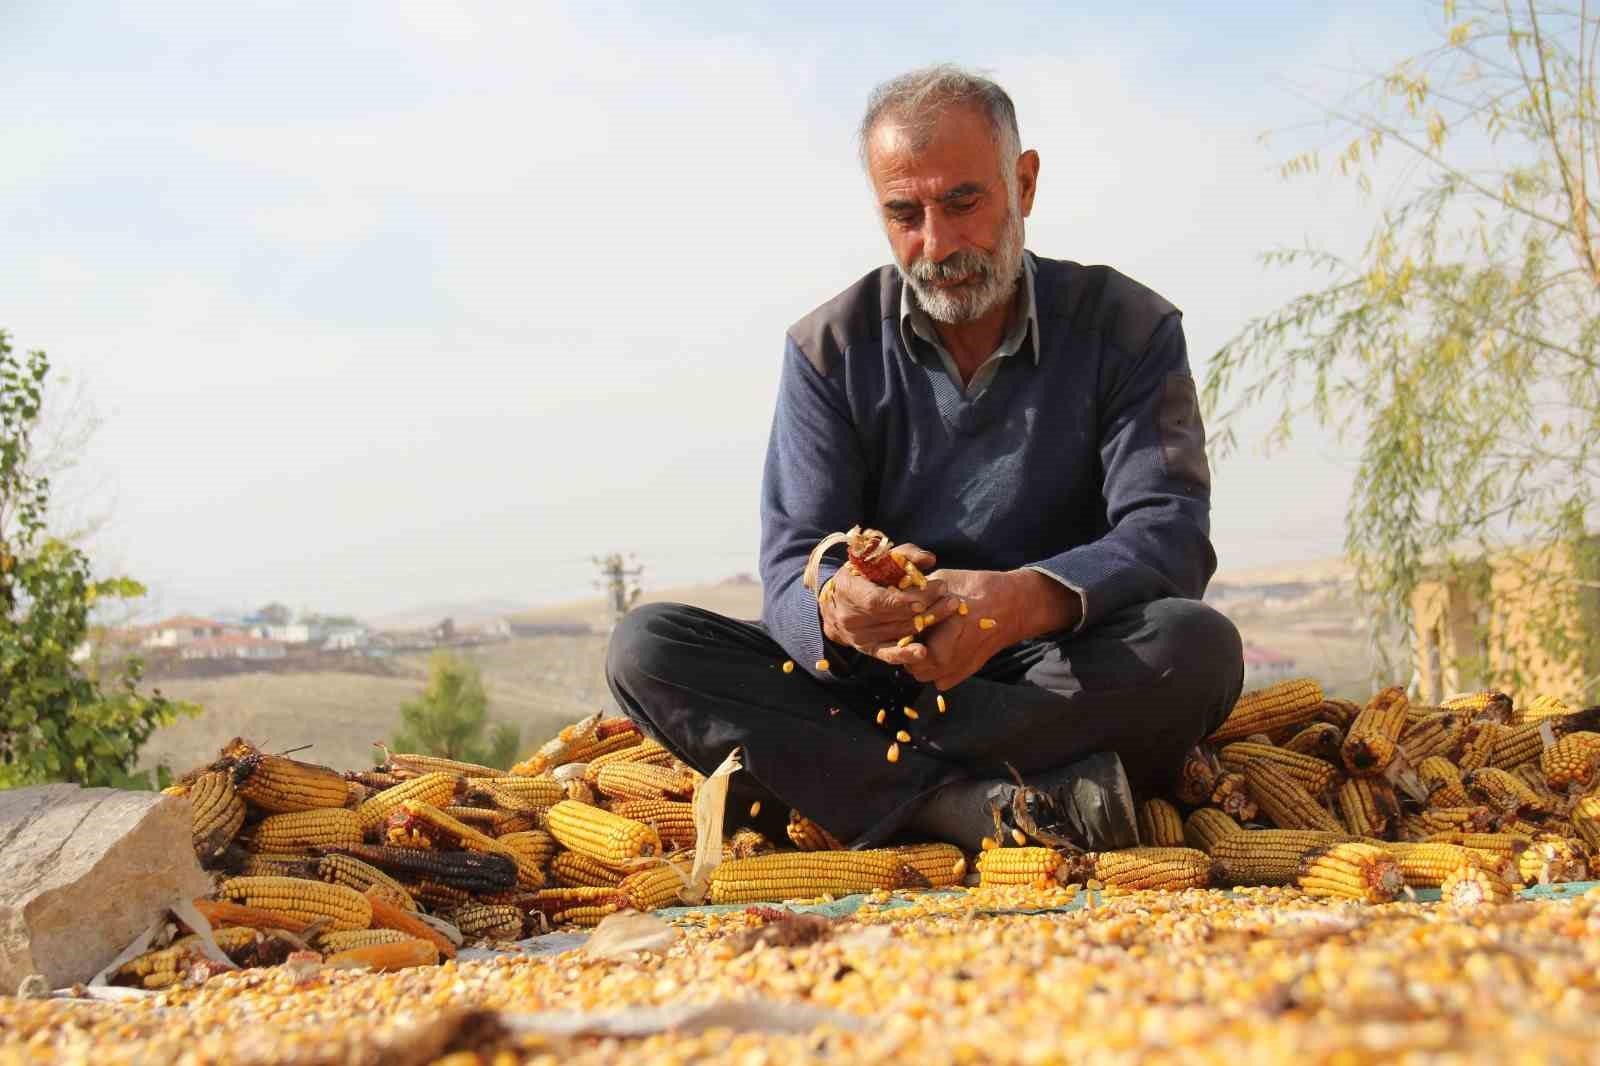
(233, 646)
(1264, 666)
(183, 629)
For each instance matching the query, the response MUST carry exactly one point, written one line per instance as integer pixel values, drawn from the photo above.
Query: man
(1027, 425)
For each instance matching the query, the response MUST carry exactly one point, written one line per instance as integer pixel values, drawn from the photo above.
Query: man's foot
(1087, 805)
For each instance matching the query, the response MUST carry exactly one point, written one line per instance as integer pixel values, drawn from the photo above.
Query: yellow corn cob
(1280, 706)
(520, 794)
(1437, 734)
(1197, 779)
(481, 818)
(673, 822)
(386, 916)
(1516, 826)
(1502, 790)
(1515, 745)
(941, 865)
(1352, 869)
(588, 915)
(1483, 706)
(255, 864)
(1267, 856)
(1533, 777)
(216, 813)
(532, 847)
(330, 942)
(1368, 807)
(637, 780)
(1477, 745)
(488, 921)
(515, 823)
(435, 790)
(1338, 713)
(1160, 824)
(578, 790)
(364, 878)
(1019, 866)
(1370, 744)
(405, 764)
(656, 887)
(575, 870)
(594, 749)
(1310, 773)
(1443, 782)
(1571, 760)
(1552, 860)
(600, 834)
(1586, 820)
(221, 913)
(181, 953)
(279, 785)
(1232, 796)
(1169, 869)
(556, 751)
(646, 751)
(1541, 707)
(1207, 825)
(551, 901)
(437, 894)
(1471, 885)
(747, 843)
(303, 830)
(1320, 740)
(805, 874)
(1504, 844)
(1427, 865)
(809, 836)
(345, 908)
(1285, 802)
(383, 958)
(1474, 819)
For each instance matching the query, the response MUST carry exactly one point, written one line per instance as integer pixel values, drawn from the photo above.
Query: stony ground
(1143, 977)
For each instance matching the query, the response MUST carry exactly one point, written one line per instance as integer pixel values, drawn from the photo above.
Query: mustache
(957, 265)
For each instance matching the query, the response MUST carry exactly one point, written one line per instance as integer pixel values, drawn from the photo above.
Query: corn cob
(364, 878)
(1311, 774)
(870, 553)
(673, 822)
(483, 819)
(1477, 745)
(1471, 885)
(604, 746)
(436, 790)
(1370, 744)
(589, 915)
(406, 765)
(1267, 856)
(384, 958)
(560, 748)
(553, 901)
(279, 785)
(1167, 869)
(654, 888)
(637, 780)
(1427, 865)
(1285, 802)
(1416, 712)
(577, 790)
(801, 875)
(1487, 706)
(1337, 712)
(575, 870)
(1160, 824)
(1233, 797)
(345, 908)
(616, 727)
(533, 848)
(421, 868)
(1019, 866)
(372, 780)
(216, 813)
(1207, 825)
(387, 916)
(522, 794)
(1541, 707)
(488, 921)
(1197, 779)
(747, 843)
(647, 751)
(438, 896)
(1552, 860)
(1475, 819)
(601, 835)
(222, 913)
(1368, 807)
(1437, 734)
(1352, 869)
(941, 865)
(1515, 745)
(344, 940)
(1443, 782)
(447, 833)
(1586, 820)
(1533, 777)
(1571, 760)
(181, 953)
(303, 830)
(512, 824)
(809, 836)
(1280, 706)
(1504, 844)
(1503, 791)
(1320, 740)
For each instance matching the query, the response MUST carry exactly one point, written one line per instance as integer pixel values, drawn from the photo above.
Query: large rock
(82, 872)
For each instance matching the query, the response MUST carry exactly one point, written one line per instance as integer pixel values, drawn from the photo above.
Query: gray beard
(992, 278)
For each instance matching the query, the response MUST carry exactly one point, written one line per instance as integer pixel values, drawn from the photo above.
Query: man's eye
(904, 218)
(961, 207)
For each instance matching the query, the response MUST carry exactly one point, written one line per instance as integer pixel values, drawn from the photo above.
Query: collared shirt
(1024, 330)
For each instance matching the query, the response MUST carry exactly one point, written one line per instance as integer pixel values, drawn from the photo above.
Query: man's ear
(1027, 179)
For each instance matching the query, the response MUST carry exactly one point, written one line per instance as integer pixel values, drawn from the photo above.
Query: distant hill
(465, 613)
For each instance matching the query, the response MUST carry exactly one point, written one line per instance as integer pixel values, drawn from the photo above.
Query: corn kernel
(919, 623)
(909, 712)
(894, 753)
(1020, 837)
(903, 737)
(788, 666)
(987, 623)
(882, 714)
(939, 699)
(903, 641)
(755, 808)
(961, 608)
(988, 844)
(822, 666)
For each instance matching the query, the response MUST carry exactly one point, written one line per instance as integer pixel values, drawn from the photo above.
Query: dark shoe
(1088, 805)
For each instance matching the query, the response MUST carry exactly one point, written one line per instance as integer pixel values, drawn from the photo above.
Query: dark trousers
(1148, 683)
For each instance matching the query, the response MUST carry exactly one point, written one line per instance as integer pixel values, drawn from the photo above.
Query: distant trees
(59, 720)
(452, 717)
(1461, 345)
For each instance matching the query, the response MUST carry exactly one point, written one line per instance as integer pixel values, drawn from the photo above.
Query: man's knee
(641, 644)
(1202, 649)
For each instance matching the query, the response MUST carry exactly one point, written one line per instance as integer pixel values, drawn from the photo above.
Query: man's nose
(938, 238)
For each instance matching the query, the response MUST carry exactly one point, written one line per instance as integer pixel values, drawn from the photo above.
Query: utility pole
(620, 581)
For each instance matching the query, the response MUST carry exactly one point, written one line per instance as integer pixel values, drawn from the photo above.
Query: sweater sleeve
(812, 485)
(1157, 489)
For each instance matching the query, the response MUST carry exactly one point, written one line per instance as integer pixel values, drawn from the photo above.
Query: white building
(182, 630)
(233, 646)
(346, 638)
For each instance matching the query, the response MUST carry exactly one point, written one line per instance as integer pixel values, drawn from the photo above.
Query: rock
(82, 872)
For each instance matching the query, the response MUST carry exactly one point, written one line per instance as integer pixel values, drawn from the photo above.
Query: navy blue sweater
(1089, 466)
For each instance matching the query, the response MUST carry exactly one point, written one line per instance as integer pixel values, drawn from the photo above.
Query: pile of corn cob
(1473, 797)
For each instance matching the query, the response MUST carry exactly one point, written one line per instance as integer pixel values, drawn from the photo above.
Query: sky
(390, 302)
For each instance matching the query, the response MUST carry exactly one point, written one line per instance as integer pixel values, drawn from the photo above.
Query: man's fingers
(921, 558)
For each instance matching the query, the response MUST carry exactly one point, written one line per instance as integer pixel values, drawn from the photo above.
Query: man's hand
(857, 613)
(1022, 604)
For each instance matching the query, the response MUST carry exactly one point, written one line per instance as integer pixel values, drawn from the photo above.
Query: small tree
(452, 717)
(1461, 345)
(56, 721)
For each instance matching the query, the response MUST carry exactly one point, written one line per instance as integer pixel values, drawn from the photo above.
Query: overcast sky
(407, 301)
